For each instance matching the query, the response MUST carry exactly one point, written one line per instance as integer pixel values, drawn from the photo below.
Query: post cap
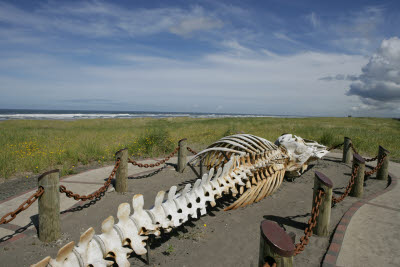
(183, 139)
(347, 138)
(279, 241)
(358, 158)
(47, 173)
(384, 150)
(323, 179)
(120, 150)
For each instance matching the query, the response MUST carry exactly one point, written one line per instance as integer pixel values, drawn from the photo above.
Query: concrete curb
(333, 251)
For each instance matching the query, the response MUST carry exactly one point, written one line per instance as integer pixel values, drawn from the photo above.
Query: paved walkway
(368, 234)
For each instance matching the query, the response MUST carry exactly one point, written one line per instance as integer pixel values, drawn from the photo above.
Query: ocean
(30, 114)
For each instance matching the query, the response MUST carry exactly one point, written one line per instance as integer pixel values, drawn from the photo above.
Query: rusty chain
(378, 166)
(336, 200)
(336, 146)
(96, 194)
(25, 205)
(191, 151)
(353, 148)
(371, 159)
(154, 164)
(312, 222)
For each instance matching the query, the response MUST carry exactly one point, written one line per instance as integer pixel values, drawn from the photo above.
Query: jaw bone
(251, 163)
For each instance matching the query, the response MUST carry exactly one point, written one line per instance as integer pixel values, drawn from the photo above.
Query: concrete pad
(5, 232)
(372, 238)
(389, 199)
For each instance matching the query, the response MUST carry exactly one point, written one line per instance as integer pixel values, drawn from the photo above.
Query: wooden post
(122, 173)
(324, 217)
(347, 151)
(357, 189)
(382, 173)
(49, 206)
(182, 155)
(275, 243)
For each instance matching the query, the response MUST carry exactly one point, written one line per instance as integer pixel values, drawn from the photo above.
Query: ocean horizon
(44, 114)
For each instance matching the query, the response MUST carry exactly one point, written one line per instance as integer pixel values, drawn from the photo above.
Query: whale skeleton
(242, 164)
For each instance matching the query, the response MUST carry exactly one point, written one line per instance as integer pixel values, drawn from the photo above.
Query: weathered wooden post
(182, 154)
(275, 243)
(357, 189)
(323, 220)
(49, 206)
(347, 151)
(122, 172)
(383, 171)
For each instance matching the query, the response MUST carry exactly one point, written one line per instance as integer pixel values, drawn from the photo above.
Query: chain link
(312, 222)
(378, 166)
(353, 148)
(191, 151)
(25, 205)
(96, 194)
(371, 159)
(336, 146)
(141, 165)
(336, 200)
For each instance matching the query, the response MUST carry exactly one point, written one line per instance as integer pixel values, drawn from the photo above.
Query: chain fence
(336, 200)
(25, 205)
(191, 151)
(141, 165)
(312, 222)
(335, 146)
(99, 191)
(378, 166)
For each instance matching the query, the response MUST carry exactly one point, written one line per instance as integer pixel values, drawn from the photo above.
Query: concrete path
(83, 183)
(369, 232)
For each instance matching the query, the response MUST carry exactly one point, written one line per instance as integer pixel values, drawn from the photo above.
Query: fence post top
(358, 158)
(47, 173)
(324, 179)
(347, 138)
(120, 150)
(183, 139)
(279, 241)
(384, 149)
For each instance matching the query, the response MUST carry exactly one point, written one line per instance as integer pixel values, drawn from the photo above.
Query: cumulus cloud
(379, 83)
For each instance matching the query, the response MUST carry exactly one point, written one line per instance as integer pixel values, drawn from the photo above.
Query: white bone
(142, 217)
(113, 242)
(130, 230)
(158, 213)
(182, 204)
(170, 207)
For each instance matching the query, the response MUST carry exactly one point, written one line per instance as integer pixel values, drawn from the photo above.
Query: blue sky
(318, 58)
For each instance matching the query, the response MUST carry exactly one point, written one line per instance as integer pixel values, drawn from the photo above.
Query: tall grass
(28, 146)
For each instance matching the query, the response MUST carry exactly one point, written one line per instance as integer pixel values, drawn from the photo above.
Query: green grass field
(28, 146)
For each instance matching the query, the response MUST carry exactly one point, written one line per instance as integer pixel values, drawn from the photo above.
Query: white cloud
(313, 19)
(282, 36)
(101, 19)
(249, 82)
(379, 84)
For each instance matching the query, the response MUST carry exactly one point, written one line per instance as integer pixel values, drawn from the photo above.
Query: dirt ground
(219, 238)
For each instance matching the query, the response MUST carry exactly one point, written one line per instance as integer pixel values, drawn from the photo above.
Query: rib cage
(242, 164)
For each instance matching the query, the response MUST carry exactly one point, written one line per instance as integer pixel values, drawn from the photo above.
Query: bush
(155, 142)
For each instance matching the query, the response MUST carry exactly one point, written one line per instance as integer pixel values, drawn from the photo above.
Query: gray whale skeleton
(242, 165)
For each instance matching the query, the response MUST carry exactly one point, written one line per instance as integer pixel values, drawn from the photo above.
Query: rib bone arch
(243, 165)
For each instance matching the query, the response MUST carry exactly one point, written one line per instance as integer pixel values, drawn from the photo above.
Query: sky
(280, 57)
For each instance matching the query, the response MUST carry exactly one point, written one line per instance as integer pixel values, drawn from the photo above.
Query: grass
(33, 146)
